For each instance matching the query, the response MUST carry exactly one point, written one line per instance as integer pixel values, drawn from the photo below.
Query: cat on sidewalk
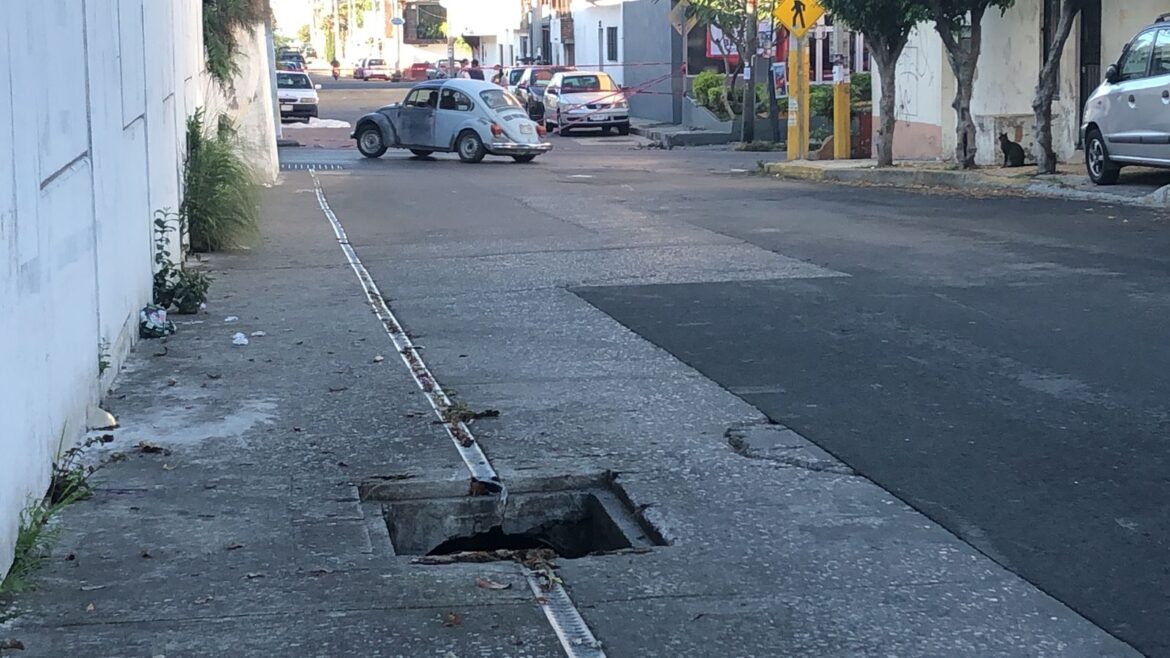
(1013, 153)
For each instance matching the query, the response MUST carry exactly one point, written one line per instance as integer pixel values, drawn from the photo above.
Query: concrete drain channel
(527, 520)
(541, 519)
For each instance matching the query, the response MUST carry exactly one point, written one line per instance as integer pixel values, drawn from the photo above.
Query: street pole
(798, 98)
(749, 74)
(773, 106)
(842, 119)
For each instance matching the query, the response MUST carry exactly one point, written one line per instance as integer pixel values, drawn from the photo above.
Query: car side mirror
(1112, 74)
(317, 86)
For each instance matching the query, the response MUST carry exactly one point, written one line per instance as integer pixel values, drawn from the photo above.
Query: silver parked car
(1127, 119)
(585, 99)
(473, 118)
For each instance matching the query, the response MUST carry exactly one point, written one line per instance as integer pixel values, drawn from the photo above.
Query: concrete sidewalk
(1138, 187)
(240, 532)
(245, 518)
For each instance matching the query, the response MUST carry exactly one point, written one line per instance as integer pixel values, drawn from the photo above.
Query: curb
(956, 180)
(669, 140)
(283, 142)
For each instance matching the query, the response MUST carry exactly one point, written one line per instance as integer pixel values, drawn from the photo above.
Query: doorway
(1090, 56)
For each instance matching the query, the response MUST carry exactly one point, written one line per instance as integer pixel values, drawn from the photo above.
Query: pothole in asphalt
(574, 516)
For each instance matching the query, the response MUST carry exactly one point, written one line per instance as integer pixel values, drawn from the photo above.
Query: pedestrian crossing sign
(799, 16)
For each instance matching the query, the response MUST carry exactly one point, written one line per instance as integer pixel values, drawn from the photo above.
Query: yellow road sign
(799, 16)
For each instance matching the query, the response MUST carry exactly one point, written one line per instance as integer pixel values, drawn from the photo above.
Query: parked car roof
(467, 85)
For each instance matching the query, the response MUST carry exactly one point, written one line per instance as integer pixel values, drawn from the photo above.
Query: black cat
(1013, 153)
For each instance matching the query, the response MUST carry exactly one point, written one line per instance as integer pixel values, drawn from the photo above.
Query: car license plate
(596, 117)
(286, 108)
(526, 129)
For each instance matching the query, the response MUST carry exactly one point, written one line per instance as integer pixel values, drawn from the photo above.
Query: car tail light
(540, 130)
(497, 130)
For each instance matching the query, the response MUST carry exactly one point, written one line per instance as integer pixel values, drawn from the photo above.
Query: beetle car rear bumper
(514, 148)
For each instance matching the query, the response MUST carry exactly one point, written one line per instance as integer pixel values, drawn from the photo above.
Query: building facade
(1013, 53)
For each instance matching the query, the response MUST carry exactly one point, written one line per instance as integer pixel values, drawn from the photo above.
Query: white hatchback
(585, 99)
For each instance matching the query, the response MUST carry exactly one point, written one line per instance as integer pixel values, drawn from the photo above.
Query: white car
(1126, 119)
(585, 99)
(372, 68)
(297, 95)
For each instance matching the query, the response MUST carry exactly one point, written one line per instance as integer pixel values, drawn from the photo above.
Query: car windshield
(514, 76)
(591, 82)
(293, 81)
(499, 98)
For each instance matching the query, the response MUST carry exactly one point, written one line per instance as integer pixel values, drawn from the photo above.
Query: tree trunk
(1047, 87)
(728, 80)
(887, 63)
(965, 131)
(963, 58)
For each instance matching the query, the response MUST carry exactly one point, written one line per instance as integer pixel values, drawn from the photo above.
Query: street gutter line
(566, 621)
(477, 462)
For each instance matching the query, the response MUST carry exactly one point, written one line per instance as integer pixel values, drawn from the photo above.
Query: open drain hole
(572, 522)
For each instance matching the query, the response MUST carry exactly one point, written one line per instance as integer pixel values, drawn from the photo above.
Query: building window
(611, 44)
(424, 22)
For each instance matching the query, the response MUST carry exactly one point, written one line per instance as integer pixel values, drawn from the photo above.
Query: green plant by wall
(221, 202)
(190, 290)
(861, 88)
(34, 537)
(222, 22)
(705, 83)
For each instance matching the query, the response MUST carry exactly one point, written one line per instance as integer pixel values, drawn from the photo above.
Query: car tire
(524, 158)
(370, 142)
(562, 129)
(470, 147)
(624, 129)
(1101, 169)
(422, 153)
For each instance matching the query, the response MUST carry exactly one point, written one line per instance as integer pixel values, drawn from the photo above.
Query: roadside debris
(153, 322)
(231, 318)
(258, 334)
(151, 449)
(11, 645)
(529, 557)
(239, 339)
(379, 358)
(452, 619)
(487, 583)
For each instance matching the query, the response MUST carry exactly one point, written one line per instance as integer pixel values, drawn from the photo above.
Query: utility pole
(749, 74)
(842, 119)
(798, 110)
(773, 105)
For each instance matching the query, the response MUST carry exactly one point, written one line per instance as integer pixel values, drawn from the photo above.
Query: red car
(417, 71)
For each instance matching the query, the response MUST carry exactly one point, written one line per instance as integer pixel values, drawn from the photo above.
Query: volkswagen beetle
(472, 118)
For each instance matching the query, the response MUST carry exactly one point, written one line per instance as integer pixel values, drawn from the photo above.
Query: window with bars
(611, 44)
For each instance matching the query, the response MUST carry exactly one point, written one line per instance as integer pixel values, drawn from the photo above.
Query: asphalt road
(998, 364)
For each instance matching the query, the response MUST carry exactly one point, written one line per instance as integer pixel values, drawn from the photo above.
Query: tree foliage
(223, 20)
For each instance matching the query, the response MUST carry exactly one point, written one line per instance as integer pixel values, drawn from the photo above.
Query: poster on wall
(780, 79)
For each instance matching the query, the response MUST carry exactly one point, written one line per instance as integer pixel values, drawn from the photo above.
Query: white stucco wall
(590, 54)
(93, 100)
(1009, 68)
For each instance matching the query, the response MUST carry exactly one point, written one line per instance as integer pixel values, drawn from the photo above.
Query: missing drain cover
(574, 517)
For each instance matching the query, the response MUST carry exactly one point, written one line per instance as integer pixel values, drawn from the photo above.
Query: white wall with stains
(1009, 68)
(94, 96)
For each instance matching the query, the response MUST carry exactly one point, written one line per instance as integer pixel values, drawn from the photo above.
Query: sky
(291, 15)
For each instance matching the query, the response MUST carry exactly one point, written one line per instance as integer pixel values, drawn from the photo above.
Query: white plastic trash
(239, 339)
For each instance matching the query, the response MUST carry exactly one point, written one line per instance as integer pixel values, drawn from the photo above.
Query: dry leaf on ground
(487, 583)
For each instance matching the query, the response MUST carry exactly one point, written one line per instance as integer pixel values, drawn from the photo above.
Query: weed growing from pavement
(34, 536)
(221, 201)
